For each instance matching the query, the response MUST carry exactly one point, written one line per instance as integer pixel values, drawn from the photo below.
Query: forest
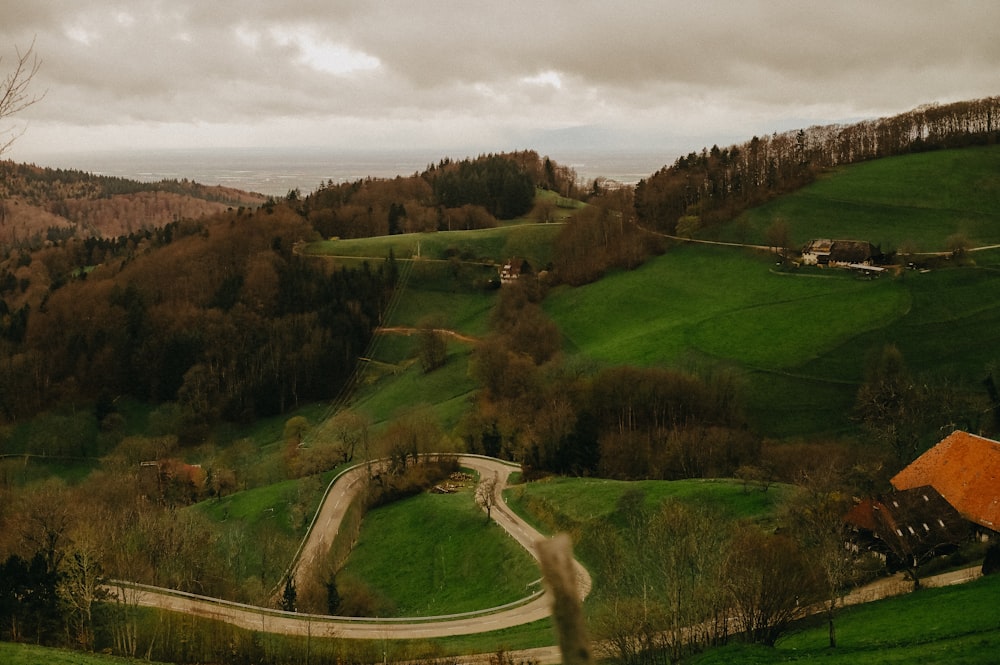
(218, 315)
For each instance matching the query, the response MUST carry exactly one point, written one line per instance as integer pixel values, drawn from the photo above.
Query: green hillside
(914, 200)
(799, 339)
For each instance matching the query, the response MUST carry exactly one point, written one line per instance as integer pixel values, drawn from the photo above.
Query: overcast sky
(481, 76)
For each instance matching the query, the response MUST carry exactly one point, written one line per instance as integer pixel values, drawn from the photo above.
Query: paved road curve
(318, 542)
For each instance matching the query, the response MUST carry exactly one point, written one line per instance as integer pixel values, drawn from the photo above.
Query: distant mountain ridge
(38, 204)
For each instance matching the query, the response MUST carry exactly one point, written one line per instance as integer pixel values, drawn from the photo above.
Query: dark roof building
(908, 526)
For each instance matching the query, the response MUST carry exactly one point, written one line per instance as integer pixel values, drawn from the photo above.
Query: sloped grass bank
(959, 624)
(436, 554)
(30, 654)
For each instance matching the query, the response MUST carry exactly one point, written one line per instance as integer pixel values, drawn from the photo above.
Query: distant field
(528, 240)
(918, 199)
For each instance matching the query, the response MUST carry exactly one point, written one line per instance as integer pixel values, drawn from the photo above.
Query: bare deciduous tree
(486, 494)
(767, 575)
(14, 91)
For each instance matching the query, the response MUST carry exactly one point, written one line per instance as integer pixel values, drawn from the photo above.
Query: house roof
(819, 246)
(965, 469)
(851, 250)
(916, 521)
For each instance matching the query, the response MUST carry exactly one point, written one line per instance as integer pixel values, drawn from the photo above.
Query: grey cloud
(618, 64)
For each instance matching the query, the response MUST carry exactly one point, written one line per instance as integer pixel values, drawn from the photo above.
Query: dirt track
(403, 330)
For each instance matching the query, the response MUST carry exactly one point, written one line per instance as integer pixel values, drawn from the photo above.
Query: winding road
(317, 544)
(538, 606)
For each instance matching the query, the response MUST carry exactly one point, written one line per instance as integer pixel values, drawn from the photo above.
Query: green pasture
(529, 240)
(918, 199)
(455, 561)
(452, 295)
(722, 304)
(959, 624)
(394, 381)
(798, 339)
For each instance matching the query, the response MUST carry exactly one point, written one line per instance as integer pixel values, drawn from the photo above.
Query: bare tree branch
(14, 93)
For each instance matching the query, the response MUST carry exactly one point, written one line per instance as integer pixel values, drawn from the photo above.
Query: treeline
(219, 316)
(704, 188)
(449, 195)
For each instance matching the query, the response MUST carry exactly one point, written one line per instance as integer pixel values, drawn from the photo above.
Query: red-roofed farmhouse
(965, 470)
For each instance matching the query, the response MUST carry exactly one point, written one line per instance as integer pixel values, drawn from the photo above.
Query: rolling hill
(799, 339)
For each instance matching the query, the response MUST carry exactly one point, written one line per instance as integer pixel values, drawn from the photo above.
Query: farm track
(408, 331)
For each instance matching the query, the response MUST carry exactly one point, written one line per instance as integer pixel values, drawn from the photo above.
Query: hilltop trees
(497, 184)
(449, 195)
(599, 237)
(718, 183)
